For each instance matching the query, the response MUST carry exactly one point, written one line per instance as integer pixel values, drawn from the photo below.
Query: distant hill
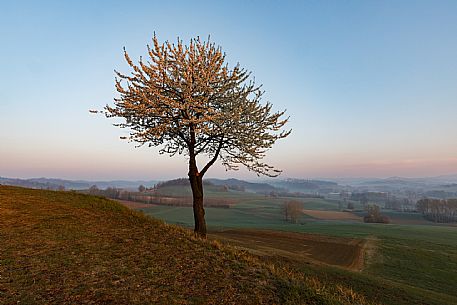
(442, 179)
(51, 183)
(394, 184)
(434, 180)
(244, 185)
(181, 186)
(306, 185)
(184, 182)
(71, 248)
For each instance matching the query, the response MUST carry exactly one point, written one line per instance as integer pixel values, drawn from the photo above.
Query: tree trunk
(196, 183)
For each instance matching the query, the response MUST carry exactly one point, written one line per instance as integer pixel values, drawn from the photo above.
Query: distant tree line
(440, 194)
(370, 196)
(151, 198)
(399, 204)
(54, 187)
(438, 210)
(236, 187)
(110, 192)
(388, 200)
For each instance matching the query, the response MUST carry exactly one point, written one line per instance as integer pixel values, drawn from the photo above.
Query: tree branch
(216, 155)
(204, 144)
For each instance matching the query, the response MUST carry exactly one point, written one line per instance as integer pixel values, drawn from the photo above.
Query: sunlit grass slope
(69, 248)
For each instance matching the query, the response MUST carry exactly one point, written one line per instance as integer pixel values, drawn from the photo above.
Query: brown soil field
(309, 248)
(332, 215)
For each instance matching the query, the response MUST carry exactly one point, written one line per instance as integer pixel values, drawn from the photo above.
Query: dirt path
(309, 248)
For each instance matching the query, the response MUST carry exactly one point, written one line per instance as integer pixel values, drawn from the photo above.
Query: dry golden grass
(68, 248)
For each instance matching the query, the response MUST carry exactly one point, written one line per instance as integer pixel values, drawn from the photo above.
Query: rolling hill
(53, 183)
(65, 247)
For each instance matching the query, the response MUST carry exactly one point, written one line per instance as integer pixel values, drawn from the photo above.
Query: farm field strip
(341, 252)
(332, 215)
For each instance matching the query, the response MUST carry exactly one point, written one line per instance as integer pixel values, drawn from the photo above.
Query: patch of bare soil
(342, 252)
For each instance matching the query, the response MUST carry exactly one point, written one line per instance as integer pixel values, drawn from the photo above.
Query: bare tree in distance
(187, 100)
(292, 210)
(374, 215)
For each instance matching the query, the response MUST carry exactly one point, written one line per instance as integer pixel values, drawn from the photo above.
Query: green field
(419, 260)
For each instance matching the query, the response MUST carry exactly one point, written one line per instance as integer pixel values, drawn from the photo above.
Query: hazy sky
(371, 86)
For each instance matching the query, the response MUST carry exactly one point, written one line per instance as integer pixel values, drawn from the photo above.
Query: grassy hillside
(62, 247)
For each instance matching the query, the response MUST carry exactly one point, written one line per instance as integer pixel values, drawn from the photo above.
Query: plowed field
(343, 252)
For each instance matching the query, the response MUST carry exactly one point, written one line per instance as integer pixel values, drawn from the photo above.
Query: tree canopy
(186, 99)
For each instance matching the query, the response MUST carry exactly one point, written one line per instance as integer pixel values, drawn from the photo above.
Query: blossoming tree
(186, 100)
